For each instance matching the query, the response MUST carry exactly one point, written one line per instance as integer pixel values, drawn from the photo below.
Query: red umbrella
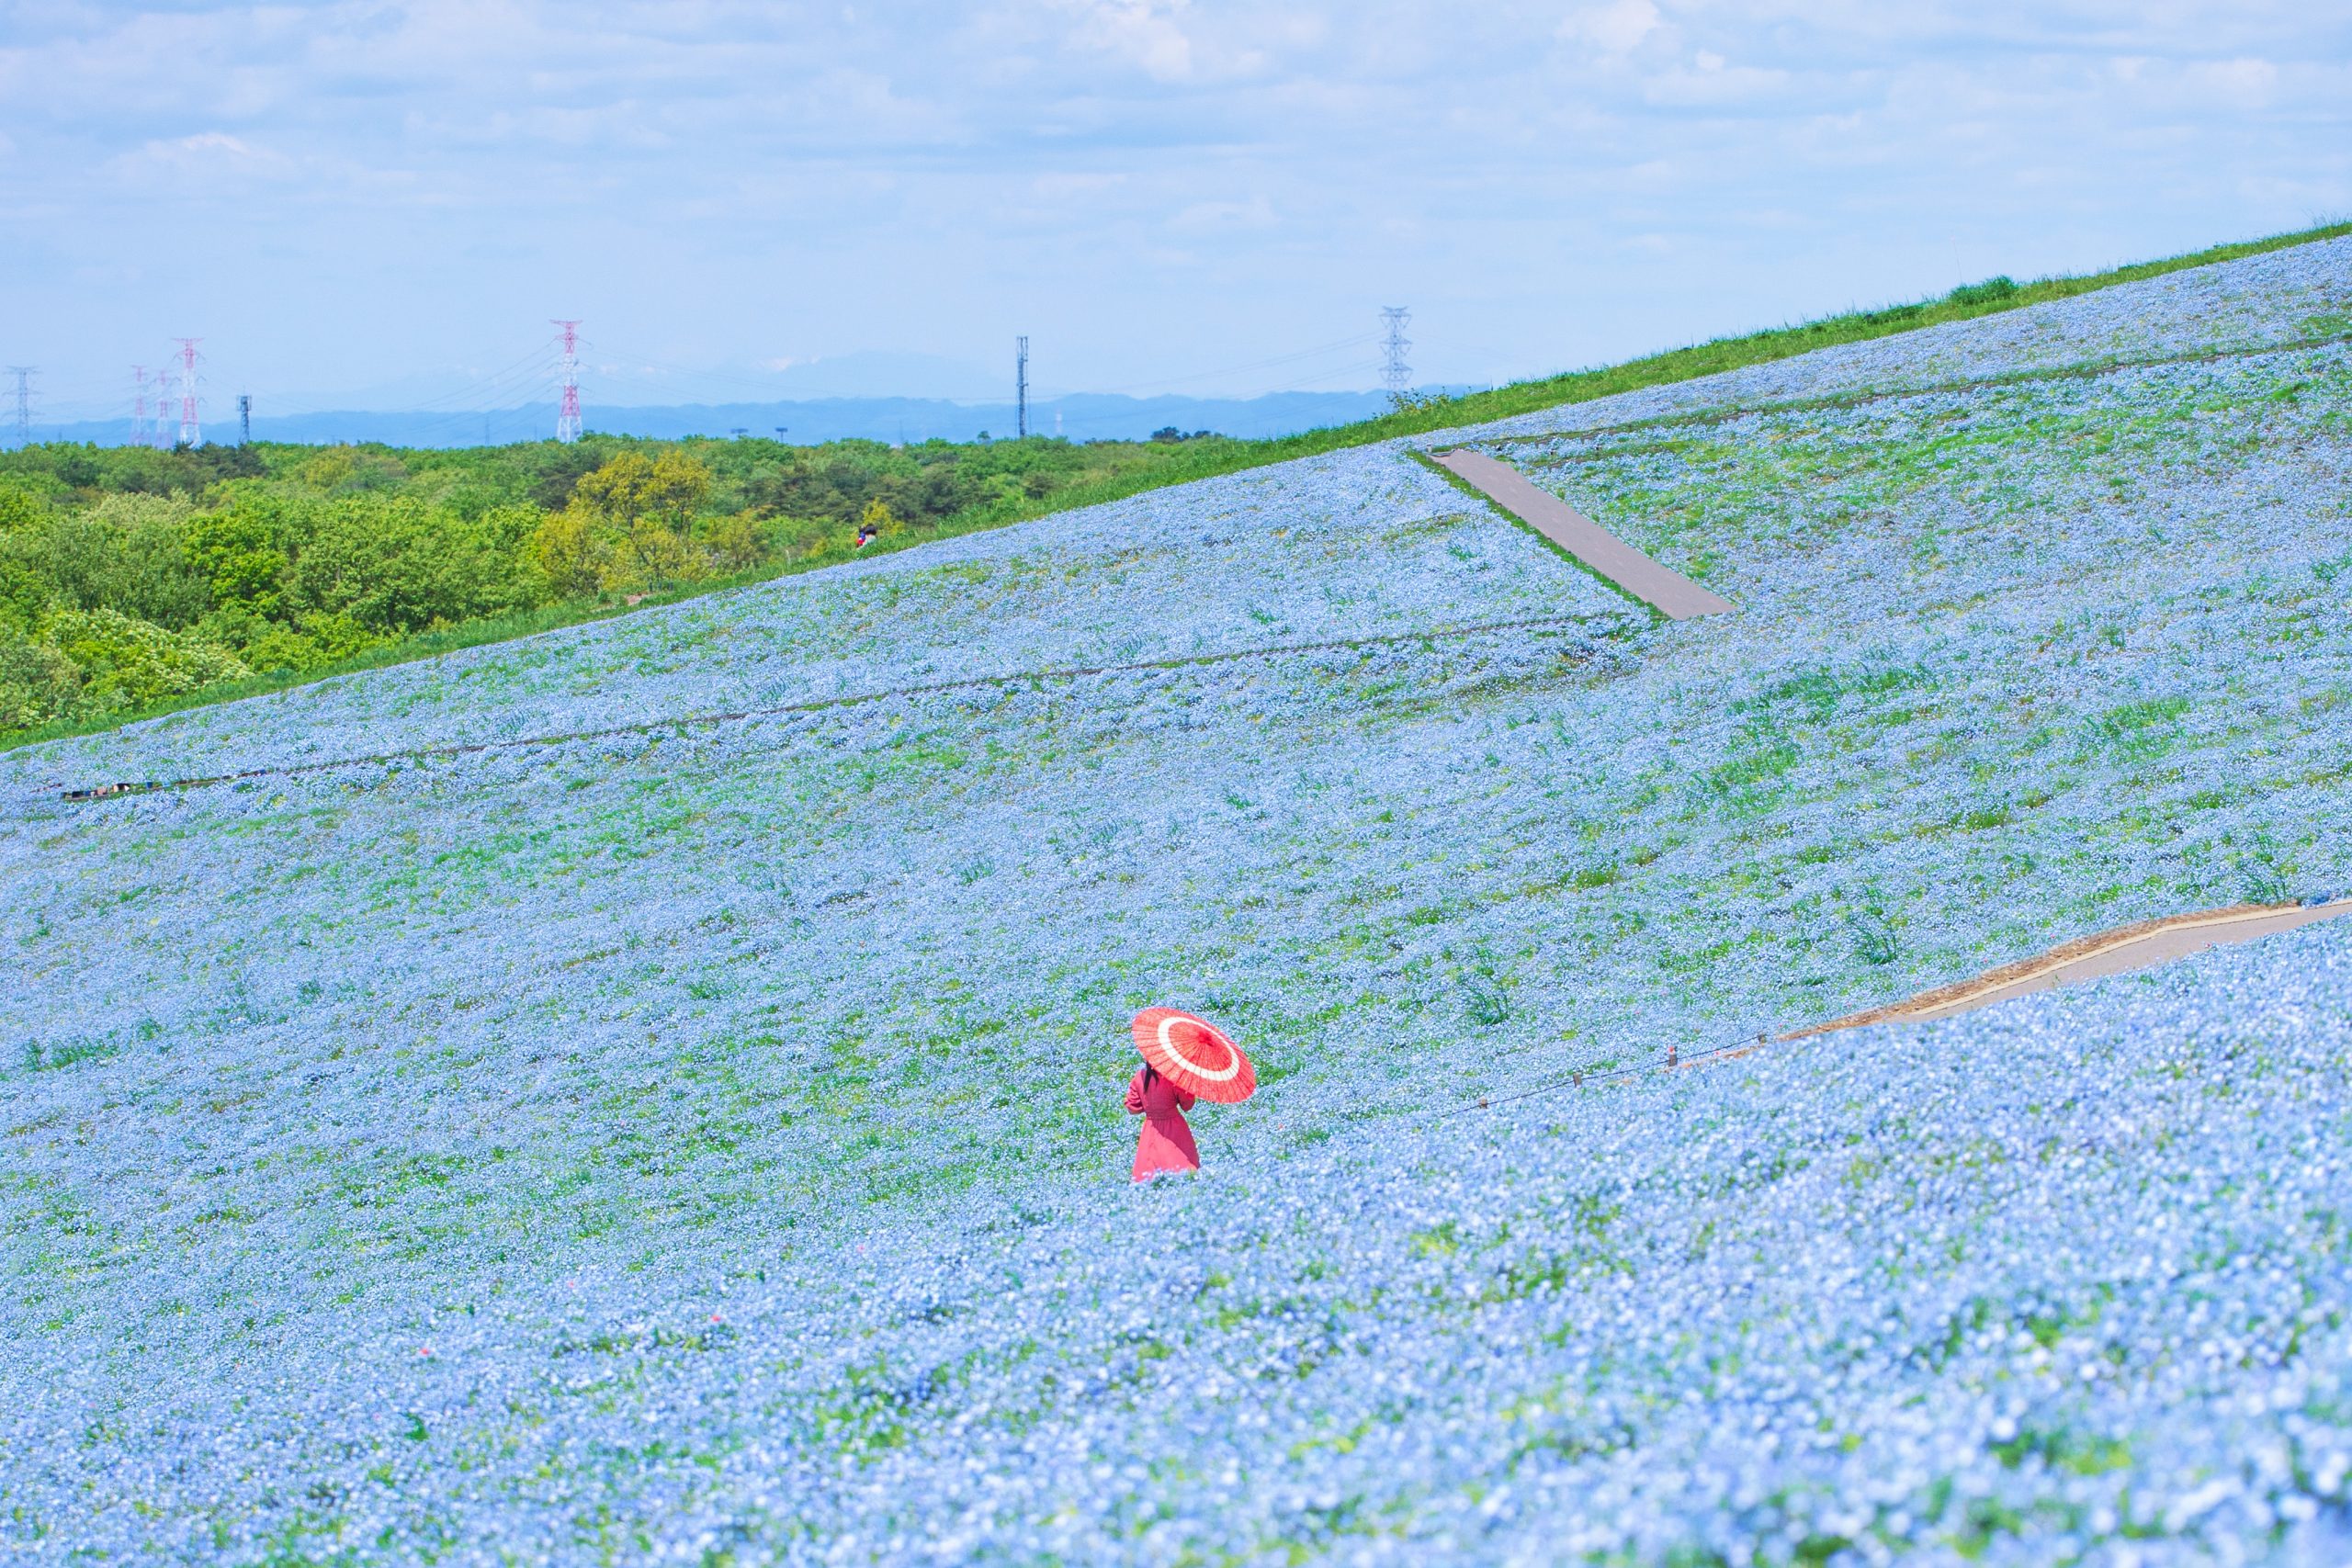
(1194, 1055)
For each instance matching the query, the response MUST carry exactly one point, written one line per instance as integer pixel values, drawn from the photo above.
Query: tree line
(131, 577)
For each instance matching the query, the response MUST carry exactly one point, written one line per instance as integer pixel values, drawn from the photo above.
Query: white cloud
(1175, 44)
(1128, 178)
(1616, 28)
(1712, 81)
(208, 155)
(1061, 186)
(1144, 33)
(2242, 81)
(1218, 217)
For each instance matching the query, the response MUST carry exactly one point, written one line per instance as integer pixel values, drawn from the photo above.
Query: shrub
(1991, 291)
(37, 684)
(319, 641)
(18, 508)
(129, 509)
(398, 565)
(353, 470)
(127, 664)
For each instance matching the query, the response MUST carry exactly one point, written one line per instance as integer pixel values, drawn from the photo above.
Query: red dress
(1167, 1143)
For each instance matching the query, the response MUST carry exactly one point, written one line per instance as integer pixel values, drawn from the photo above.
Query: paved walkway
(2142, 946)
(1670, 591)
(2116, 952)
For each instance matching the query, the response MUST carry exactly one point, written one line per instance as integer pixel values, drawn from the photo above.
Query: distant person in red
(1167, 1141)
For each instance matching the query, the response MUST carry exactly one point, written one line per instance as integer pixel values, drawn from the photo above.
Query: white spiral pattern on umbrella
(1168, 1043)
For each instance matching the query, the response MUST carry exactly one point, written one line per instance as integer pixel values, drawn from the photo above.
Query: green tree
(568, 555)
(151, 577)
(736, 542)
(128, 663)
(318, 641)
(241, 555)
(644, 507)
(37, 684)
(400, 565)
(25, 588)
(19, 507)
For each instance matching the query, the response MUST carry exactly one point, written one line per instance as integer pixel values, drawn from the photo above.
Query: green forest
(136, 579)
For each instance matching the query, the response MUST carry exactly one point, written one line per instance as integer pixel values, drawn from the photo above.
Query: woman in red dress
(1167, 1141)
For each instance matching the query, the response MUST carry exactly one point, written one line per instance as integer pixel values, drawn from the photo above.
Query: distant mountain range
(1086, 417)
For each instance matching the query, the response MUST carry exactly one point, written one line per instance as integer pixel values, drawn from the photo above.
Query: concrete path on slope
(2115, 952)
(1668, 590)
(2126, 948)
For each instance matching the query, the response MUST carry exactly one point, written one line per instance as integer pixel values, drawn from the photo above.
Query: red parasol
(1194, 1055)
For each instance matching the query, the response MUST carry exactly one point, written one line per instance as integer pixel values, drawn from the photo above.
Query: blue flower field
(651, 1092)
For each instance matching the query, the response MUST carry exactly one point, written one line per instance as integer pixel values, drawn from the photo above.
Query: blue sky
(386, 201)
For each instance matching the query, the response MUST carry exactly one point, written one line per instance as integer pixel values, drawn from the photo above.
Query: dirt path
(1668, 590)
(2126, 948)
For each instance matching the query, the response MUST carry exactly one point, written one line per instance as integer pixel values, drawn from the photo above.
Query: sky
(376, 203)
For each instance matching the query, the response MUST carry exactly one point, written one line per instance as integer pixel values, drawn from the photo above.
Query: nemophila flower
(380, 1135)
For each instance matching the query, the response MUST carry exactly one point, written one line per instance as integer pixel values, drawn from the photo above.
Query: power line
(1353, 368)
(1316, 352)
(680, 379)
(531, 367)
(527, 381)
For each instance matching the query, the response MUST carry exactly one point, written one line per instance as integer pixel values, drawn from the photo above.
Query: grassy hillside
(653, 1090)
(135, 582)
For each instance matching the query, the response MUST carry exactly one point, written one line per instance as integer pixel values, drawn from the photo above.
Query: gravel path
(2142, 945)
(1672, 593)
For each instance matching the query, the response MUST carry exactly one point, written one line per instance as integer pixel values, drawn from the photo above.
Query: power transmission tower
(1395, 374)
(23, 375)
(191, 431)
(139, 405)
(244, 419)
(1021, 390)
(567, 413)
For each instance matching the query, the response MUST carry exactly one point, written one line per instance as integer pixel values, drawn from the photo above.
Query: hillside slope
(415, 1115)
